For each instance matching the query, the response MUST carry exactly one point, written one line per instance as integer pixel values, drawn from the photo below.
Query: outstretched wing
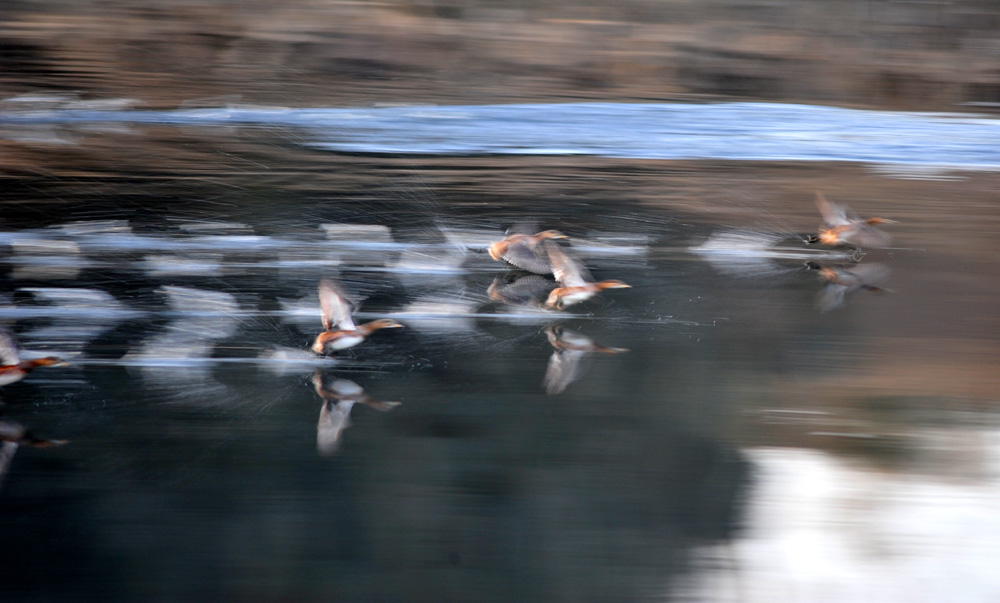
(9, 351)
(527, 256)
(336, 309)
(567, 270)
(834, 214)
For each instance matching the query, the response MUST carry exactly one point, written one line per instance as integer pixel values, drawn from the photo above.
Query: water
(738, 131)
(754, 443)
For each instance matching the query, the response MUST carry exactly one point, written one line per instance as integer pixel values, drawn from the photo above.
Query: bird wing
(9, 350)
(528, 256)
(335, 307)
(568, 271)
(834, 214)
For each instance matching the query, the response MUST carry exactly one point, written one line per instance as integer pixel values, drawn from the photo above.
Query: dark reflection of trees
(461, 498)
(46, 536)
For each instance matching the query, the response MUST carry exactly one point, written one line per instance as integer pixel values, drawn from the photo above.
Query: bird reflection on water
(747, 253)
(526, 290)
(839, 282)
(570, 349)
(14, 435)
(205, 328)
(339, 397)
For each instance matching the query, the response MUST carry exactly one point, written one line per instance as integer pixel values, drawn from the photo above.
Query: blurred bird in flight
(525, 250)
(12, 368)
(841, 226)
(337, 313)
(576, 284)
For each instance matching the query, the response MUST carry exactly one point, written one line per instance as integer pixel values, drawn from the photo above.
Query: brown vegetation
(310, 53)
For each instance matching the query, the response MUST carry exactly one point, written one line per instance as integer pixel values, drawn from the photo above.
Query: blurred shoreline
(874, 54)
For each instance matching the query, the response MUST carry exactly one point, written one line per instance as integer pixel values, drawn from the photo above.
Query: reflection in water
(176, 362)
(570, 349)
(819, 528)
(13, 432)
(14, 435)
(749, 131)
(340, 396)
(839, 282)
(46, 259)
(357, 244)
(76, 317)
(752, 253)
(487, 485)
(526, 290)
(201, 318)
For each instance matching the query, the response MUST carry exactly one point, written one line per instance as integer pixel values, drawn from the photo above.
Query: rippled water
(739, 437)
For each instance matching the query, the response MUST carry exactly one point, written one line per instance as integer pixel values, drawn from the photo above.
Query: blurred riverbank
(885, 54)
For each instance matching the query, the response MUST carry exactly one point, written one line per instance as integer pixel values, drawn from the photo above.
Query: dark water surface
(757, 441)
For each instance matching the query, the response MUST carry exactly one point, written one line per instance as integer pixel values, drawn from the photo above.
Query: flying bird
(525, 250)
(337, 314)
(841, 226)
(12, 368)
(576, 283)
